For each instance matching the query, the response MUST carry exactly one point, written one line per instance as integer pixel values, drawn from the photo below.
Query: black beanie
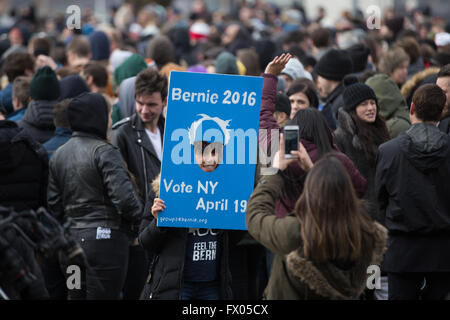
(283, 104)
(334, 65)
(88, 113)
(44, 85)
(355, 93)
(359, 53)
(72, 86)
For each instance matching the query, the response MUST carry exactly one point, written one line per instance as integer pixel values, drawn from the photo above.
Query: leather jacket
(138, 151)
(89, 183)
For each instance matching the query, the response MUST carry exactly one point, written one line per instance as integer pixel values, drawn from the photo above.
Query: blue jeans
(201, 290)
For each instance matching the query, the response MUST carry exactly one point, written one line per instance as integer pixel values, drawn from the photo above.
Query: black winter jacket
(38, 120)
(412, 182)
(88, 179)
(332, 104)
(444, 124)
(349, 143)
(20, 275)
(23, 169)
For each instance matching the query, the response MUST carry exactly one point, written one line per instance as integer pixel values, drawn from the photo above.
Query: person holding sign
(322, 249)
(197, 257)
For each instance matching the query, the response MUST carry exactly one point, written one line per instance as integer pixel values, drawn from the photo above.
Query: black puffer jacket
(88, 179)
(167, 246)
(23, 169)
(38, 120)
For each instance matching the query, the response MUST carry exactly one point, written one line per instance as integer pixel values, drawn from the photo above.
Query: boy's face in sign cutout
(208, 155)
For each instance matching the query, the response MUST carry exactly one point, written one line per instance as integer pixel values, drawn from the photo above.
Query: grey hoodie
(126, 97)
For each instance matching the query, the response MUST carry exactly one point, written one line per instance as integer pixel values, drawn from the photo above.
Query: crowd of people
(82, 118)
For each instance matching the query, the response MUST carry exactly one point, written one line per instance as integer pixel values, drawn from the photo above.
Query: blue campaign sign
(210, 150)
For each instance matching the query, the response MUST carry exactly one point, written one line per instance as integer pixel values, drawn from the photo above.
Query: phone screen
(290, 140)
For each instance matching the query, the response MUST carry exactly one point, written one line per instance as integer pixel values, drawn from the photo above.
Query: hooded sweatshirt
(392, 104)
(71, 86)
(419, 185)
(88, 113)
(100, 47)
(412, 182)
(129, 68)
(294, 69)
(226, 63)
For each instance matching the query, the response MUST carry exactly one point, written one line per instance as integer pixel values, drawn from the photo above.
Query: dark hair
(429, 101)
(308, 61)
(334, 224)
(444, 71)
(294, 37)
(296, 51)
(58, 54)
(60, 114)
(21, 89)
(250, 59)
(307, 87)
(65, 72)
(313, 127)
(370, 134)
(16, 64)
(98, 73)
(41, 46)
(149, 81)
(321, 37)
(161, 50)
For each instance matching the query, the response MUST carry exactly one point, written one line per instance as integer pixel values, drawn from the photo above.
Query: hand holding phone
(291, 139)
(281, 161)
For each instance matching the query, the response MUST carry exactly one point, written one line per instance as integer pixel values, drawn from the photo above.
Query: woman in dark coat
(361, 130)
(314, 133)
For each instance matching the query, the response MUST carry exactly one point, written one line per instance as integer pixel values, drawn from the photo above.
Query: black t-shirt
(202, 255)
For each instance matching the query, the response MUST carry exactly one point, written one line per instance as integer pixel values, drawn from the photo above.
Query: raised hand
(277, 64)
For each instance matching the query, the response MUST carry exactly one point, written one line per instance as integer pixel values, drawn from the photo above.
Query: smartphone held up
(291, 139)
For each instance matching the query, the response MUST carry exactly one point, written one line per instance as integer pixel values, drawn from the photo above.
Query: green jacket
(392, 104)
(129, 68)
(293, 276)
